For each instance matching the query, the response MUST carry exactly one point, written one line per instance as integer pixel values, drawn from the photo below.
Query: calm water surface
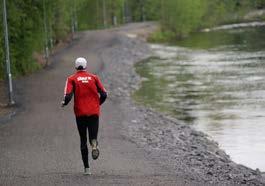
(216, 82)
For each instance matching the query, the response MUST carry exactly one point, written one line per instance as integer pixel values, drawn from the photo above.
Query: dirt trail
(40, 146)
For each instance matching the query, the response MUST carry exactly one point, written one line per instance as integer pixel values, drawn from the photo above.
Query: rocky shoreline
(189, 152)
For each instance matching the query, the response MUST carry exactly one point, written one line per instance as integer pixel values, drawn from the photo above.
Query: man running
(89, 94)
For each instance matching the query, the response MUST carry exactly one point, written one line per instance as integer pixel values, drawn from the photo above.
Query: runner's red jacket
(88, 91)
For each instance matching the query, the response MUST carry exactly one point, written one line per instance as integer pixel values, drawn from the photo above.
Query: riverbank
(253, 18)
(193, 154)
(214, 82)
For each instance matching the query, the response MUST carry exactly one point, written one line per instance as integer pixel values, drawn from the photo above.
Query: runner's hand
(62, 104)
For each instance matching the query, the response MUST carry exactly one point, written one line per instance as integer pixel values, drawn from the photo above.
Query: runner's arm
(103, 97)
(102, 91)
(68, 92)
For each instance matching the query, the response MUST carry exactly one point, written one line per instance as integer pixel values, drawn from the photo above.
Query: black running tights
(84, 124)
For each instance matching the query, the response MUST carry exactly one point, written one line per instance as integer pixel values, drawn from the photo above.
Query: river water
(215, 82)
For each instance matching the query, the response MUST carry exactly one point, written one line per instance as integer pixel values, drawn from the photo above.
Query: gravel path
(40, 146)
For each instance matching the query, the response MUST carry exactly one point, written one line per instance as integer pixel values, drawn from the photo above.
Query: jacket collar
(80, 71)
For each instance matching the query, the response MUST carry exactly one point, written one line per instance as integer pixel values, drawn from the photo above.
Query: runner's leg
(93, 134)
(82, 129)
(93, 128)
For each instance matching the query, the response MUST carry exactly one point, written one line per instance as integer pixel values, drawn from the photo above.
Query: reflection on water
(215, 81)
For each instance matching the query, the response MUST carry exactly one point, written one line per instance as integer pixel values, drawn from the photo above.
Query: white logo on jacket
(84, 79)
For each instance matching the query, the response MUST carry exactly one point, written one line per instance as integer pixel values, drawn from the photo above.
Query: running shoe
(95, 151)
(87, 171)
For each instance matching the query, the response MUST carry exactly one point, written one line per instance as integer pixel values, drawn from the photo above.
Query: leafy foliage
(181, 17)
(26, 26)
(178, 18)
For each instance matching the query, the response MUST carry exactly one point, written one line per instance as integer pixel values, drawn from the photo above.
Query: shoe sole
(95, 154)
(87, 174)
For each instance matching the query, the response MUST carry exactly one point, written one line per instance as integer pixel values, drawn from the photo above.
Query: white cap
(80, 62)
